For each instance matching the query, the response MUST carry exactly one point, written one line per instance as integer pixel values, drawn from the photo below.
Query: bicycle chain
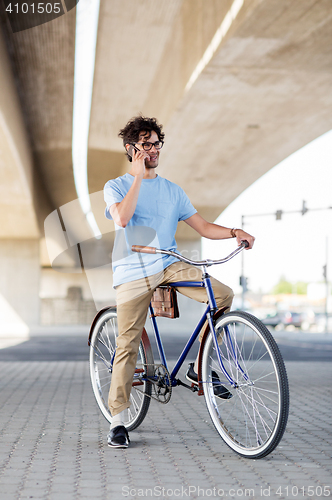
(163, 390)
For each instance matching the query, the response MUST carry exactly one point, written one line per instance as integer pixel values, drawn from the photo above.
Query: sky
(293, 247)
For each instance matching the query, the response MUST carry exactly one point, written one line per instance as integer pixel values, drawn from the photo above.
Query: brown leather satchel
(164, 302)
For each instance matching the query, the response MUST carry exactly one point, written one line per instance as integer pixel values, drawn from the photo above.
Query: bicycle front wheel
(253, 420)
(102, 351)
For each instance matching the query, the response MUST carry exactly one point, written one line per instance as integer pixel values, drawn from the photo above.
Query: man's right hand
(138, 163)
(122, 212)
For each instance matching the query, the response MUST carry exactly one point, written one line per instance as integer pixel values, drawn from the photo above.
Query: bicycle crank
(161, 383)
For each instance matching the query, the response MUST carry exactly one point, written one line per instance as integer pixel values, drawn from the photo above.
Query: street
(294, 346)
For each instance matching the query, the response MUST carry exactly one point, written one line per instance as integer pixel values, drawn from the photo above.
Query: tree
(285, 286)
(301, 288)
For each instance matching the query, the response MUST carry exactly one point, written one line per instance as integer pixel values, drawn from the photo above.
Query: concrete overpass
(238, 84)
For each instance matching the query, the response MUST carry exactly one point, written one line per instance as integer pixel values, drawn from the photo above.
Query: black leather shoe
(219, 390)
(118, 437)
(191, 375)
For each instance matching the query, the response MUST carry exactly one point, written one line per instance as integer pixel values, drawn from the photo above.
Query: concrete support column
(19, 286)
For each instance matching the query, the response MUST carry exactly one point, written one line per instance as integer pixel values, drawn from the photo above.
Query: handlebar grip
(245, 243)
(142, 249)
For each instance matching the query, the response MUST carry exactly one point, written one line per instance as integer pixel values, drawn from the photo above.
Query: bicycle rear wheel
(253, 420)
(102, 351)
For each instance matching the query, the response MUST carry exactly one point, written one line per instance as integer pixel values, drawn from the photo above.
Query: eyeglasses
(148, 145)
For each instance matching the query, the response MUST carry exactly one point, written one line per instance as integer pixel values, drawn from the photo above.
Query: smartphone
(131, 149)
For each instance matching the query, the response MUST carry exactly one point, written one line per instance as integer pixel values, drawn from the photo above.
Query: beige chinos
(133, 301)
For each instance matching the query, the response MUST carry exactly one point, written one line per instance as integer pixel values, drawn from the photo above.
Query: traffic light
(244, 283)
(304, 207)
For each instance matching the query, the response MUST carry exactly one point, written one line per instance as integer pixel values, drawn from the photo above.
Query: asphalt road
(295, 347)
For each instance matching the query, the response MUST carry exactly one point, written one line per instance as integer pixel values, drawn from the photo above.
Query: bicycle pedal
(192, 388)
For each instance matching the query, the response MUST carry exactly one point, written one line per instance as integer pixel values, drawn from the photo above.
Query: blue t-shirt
(161, 205)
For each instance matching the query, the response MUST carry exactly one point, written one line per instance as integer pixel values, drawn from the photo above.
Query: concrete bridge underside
(265, 93)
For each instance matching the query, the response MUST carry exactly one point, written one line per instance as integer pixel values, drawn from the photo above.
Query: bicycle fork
(227, 339)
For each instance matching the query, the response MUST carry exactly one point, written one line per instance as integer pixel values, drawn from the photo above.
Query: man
(144, 205)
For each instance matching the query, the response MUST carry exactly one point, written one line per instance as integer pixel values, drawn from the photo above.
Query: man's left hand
(242, 235)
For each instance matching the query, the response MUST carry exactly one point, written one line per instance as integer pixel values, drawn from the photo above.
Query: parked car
(292, 318)
(282, 319)
(272, 320)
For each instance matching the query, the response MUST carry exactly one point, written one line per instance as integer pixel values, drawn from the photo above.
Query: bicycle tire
(102, 348)
(253, 421)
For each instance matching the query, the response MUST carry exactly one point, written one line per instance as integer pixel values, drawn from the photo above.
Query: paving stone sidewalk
(53, 443)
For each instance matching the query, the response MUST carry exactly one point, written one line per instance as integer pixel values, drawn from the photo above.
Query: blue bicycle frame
(207, 316)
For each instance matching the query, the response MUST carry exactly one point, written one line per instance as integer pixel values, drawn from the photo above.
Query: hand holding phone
(139, 156)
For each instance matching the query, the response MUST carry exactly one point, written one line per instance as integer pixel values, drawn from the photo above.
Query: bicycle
(235, 346)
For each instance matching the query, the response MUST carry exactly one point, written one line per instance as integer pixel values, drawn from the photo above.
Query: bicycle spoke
(268, 409)
(250, 418)
(253, 403)
(267, 390)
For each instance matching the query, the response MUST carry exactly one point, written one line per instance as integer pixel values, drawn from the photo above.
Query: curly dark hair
(130, 133)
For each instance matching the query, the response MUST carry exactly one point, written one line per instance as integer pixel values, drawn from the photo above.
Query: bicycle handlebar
(142, 249)
(208, 262)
